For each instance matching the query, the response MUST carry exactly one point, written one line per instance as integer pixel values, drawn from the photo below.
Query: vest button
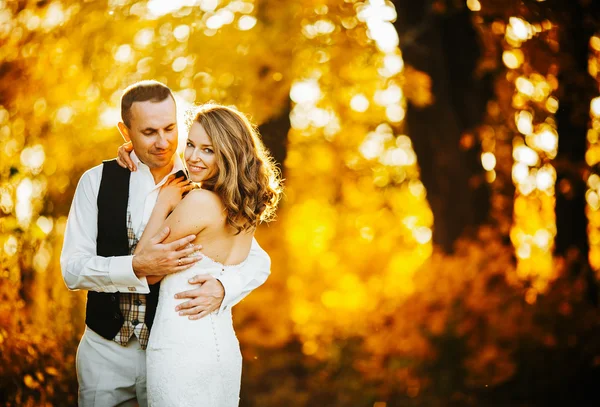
(117, 315)
(138, 302)
(113, 298)
(135, 322)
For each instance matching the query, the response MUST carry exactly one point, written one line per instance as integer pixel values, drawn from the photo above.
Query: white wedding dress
(192, 362)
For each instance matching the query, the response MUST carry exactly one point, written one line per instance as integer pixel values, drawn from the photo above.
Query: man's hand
(159, 259)
(124, 156)
(205, 299)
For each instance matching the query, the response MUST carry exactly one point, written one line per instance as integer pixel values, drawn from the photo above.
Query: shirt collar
(177, 166)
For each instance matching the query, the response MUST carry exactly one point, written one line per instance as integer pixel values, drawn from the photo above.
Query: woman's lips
(195, 168)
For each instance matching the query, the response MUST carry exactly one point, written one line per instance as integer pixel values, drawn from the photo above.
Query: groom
(110, 210)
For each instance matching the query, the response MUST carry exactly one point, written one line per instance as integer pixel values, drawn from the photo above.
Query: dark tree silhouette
(445, 46)
(577, 21)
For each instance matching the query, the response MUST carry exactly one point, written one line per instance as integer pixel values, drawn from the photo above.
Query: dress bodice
(192, 362)
(178, 282)
(170, 328)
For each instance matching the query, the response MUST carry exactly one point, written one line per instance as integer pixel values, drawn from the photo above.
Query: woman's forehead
(198, 135)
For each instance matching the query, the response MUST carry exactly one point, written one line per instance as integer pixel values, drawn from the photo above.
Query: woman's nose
(195, 156)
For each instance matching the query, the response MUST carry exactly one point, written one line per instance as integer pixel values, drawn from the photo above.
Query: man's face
(153, 131)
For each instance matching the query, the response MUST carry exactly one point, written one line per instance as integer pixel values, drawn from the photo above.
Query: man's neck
(160, 173)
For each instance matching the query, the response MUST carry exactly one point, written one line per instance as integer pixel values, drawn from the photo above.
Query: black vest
(103, 314)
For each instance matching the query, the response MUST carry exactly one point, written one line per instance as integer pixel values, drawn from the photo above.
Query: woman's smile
(195, 168)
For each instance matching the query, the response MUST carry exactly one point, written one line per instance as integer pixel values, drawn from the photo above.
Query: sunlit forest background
(439, 239)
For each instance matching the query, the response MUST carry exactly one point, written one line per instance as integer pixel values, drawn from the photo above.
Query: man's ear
(124, 130)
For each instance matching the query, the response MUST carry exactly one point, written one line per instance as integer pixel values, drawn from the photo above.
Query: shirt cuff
(232, 283)
(120, 271)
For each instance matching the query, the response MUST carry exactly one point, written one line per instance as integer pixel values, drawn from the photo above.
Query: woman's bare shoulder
(202, 200)
(200, 195)
(197, 211)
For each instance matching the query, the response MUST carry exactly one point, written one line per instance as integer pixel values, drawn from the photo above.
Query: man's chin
(159, 161)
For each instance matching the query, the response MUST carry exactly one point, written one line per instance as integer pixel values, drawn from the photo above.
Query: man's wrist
(135, 265)
(222, 305)
(222, 286)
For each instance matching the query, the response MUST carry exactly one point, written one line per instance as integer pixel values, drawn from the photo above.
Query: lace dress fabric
(192, 363)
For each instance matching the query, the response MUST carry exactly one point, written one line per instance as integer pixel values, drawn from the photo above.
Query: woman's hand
(124, 156)
(172, 192)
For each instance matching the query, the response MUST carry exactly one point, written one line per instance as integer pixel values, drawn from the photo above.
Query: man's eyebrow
(153, 129)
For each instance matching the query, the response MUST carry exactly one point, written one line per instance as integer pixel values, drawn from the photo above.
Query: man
(109, 212)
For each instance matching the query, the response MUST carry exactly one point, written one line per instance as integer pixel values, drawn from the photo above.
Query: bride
(198, 362)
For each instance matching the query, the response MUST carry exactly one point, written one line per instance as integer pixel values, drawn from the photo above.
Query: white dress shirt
(83, 269)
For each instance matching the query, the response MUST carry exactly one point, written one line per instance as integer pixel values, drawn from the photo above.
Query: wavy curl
(247, 181)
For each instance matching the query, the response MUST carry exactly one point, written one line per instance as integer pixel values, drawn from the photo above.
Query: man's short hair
(142, 91)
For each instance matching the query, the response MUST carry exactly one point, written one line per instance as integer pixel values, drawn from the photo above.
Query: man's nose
(162, 141)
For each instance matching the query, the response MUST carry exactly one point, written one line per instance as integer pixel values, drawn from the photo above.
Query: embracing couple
(158, 316)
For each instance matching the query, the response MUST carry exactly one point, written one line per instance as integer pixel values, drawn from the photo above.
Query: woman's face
(200, 154)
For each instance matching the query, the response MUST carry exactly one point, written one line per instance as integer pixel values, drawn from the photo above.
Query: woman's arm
(157, 218)
(168, 198)
(197, 210)
(193, 214)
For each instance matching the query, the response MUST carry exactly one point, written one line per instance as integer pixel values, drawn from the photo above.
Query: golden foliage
(417, 87)
(521, 130)
(592, 157)
(359, 309)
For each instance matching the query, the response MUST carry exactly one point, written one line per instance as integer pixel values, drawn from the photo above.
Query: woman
(198, 362)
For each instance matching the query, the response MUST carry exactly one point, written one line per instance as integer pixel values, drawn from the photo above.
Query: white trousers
(110, 374)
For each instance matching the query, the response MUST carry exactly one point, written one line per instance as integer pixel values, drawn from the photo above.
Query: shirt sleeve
(82, 268)
(239, 282)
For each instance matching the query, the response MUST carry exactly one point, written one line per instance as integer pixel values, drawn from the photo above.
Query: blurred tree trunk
(445, 46)
(275, 134)
(577, 90)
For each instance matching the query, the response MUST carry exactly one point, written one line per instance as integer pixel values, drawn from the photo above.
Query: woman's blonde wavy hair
(248, 181)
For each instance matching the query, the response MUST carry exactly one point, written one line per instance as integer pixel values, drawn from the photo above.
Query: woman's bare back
(203, 214)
